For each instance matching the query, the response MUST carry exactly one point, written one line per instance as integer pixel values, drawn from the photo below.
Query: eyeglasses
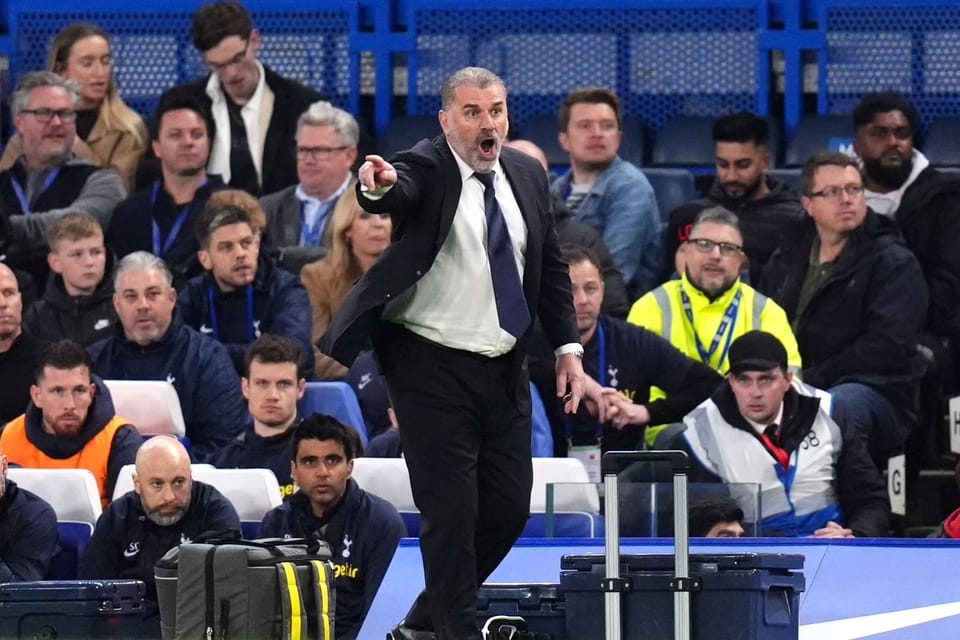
(217, 67)
(44, 116)
(832, 193)
(727, 249)
(319, 153)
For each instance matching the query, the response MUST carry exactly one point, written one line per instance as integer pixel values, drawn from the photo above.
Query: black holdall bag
(226, 588)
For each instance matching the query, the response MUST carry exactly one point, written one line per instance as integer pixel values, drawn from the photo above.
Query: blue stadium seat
(942, 146)
(336, 399)
(685, 141)
(672, 187)
(789, 176)
(405, 131)
(819, 133)
(542, 438)
(73, 539)
(542, 131)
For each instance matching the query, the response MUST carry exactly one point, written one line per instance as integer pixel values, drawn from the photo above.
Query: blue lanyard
(728, 321)
(601, 377)
(311, 233)
(215, 322)
(161, 250)
(22, 197)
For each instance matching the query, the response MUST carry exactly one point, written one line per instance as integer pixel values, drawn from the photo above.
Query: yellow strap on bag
(291, 602)
(322, 586)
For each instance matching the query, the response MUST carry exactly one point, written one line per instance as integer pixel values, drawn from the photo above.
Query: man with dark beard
(70, 421)
(768, 209)
(900, 183)
(165, 508)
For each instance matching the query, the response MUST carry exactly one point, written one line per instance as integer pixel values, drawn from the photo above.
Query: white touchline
(865, 626)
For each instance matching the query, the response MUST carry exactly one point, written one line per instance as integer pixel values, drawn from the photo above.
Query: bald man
(165, 508)
(19, 351)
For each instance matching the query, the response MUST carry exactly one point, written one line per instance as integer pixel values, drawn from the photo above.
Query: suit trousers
(465, 430)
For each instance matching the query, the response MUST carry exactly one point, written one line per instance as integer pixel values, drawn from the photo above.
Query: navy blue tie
(507, 289)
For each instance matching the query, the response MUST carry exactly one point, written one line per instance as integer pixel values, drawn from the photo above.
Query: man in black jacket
(28, 532)
(768, 209)
(857, 300)
(166, 507)
(900, 183)
(244, 95)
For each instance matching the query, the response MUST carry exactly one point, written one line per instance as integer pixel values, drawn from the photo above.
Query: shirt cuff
(375, 194)
(570, 347)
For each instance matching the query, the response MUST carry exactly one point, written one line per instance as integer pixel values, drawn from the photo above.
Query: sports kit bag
(226, 588)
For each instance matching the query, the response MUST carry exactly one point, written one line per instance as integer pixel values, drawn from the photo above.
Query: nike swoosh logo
(205, 329)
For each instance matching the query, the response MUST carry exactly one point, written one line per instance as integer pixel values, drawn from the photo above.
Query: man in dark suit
(254, 108)
(449, 307)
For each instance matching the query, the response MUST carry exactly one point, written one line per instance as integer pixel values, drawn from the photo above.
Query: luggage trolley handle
(613, 584)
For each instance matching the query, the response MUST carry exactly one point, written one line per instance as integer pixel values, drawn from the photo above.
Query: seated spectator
(70, 422)
(626, 361)
(166, 508)
(160, 217)
(153, 343)
(373, 396)
(715, 517)
(615, 300)
(857, 301)
(754, 428)
(109, 133)
(900, 183)
(243, 294)
(710, 306)
(768, 209)
(48, 180)
(77, 303)
(19, 351)
(299, 215)
(272, 384)
(28, 532)
(606, 192)
(357, 239)
(362, 529)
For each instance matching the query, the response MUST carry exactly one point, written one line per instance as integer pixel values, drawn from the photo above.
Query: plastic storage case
(749, 595)
(541, 605)
(71, 609)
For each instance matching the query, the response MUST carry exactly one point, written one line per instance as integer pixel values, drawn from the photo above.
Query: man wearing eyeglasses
(704, 311)
(253, 107)
(900, 183)
(70, 421)
(857, 301)
(298, 217)
(48, 181)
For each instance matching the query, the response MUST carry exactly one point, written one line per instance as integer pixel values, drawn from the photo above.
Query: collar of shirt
(888, 203)
(303, 196)
(759, 427)
(699, 299)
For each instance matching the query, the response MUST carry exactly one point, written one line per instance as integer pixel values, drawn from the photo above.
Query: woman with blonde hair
(109, 133)
(357, 239)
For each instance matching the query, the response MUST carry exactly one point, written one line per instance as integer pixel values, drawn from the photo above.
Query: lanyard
(215, 322)
(162, 246)
(22, 197)
(729, 319)
(311, 233)
(601, 377)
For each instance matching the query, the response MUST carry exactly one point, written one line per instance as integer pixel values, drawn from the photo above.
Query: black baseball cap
(757, 351)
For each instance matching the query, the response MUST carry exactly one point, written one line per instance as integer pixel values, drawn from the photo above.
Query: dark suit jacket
(279, 147)
(282, 237)
(422, 204)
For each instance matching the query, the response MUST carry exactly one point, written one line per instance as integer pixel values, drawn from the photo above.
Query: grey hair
(323, 113)
(141, 261)
(36, 80)
(717, 215)
(476, 77)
